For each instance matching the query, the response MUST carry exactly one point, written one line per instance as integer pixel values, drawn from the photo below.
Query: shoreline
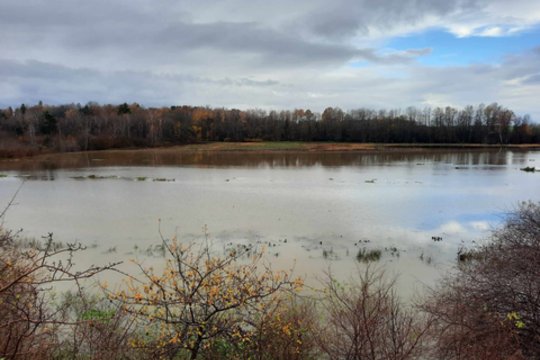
(287, 146)
(240, 154)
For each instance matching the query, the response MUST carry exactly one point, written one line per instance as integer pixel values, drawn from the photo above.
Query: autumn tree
(201, 297)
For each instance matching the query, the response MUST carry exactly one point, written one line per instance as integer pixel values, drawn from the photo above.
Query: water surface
(311, 209)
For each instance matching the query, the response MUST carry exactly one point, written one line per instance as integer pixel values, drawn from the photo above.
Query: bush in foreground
(490, 309)
(201, 299)
(365, 320)
(29, 325)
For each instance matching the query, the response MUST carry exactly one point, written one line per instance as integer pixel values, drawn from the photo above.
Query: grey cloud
(66, 13)
(56, 84)
(417, 85)
(418, 52)
(244, 82)
(138, 34)
(523, 66)
(131, 38)
(399, 57)
(336, 23)
(483, 83)
(532, 80)
(39, 71)
(99, 23)
(347, 17)
(275, 47)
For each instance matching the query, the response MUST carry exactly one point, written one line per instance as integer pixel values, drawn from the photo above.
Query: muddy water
(313, 211)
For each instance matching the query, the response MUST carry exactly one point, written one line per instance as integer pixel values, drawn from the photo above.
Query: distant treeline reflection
(180, 157)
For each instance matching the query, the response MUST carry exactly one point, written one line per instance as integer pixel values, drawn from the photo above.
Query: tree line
(76, 127)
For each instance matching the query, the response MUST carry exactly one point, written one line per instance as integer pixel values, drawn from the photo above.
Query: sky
(381, 54)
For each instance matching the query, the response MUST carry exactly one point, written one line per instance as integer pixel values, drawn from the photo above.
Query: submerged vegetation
(365, 255)
(29, 130)
(116, 177)
(204, 305)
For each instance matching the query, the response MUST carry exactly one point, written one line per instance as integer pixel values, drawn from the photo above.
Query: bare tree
(365, 320)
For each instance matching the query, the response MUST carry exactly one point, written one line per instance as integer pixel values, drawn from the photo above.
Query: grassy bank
(334, 146)
(280, 146)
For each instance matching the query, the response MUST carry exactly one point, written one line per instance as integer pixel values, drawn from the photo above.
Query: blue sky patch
(447, 49)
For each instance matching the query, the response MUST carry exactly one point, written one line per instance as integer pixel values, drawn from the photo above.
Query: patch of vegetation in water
(329, 254)
(116, 177)
(246, 250)
(162, 180)
(94, 177)
(394, 251)
(528, 169)
(35, 177)
(426, 259)
(111, 250)
(3, 176)
(40, 245)
(157, 250)
(365, 255)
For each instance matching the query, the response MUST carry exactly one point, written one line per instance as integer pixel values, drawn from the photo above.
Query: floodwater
(313, 211)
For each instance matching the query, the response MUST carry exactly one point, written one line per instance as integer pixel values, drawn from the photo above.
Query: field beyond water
(338, 146)
(259, 147)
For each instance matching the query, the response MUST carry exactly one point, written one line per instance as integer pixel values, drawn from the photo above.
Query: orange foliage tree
(200, 298)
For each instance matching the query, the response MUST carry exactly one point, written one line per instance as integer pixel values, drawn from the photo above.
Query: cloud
(374, 18)
(379, 86)
(532, 79)
(243, 53)
(141, 33)
(452, 227)
(392, 56)
(32, 81)
(352, 17)
(480, 225)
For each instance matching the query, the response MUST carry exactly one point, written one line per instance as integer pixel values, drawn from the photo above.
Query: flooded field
(313, 211)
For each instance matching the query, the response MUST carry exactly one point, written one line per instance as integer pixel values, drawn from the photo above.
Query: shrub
(94, 328)
(365, 320)
(491, 307)
(365, 255)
